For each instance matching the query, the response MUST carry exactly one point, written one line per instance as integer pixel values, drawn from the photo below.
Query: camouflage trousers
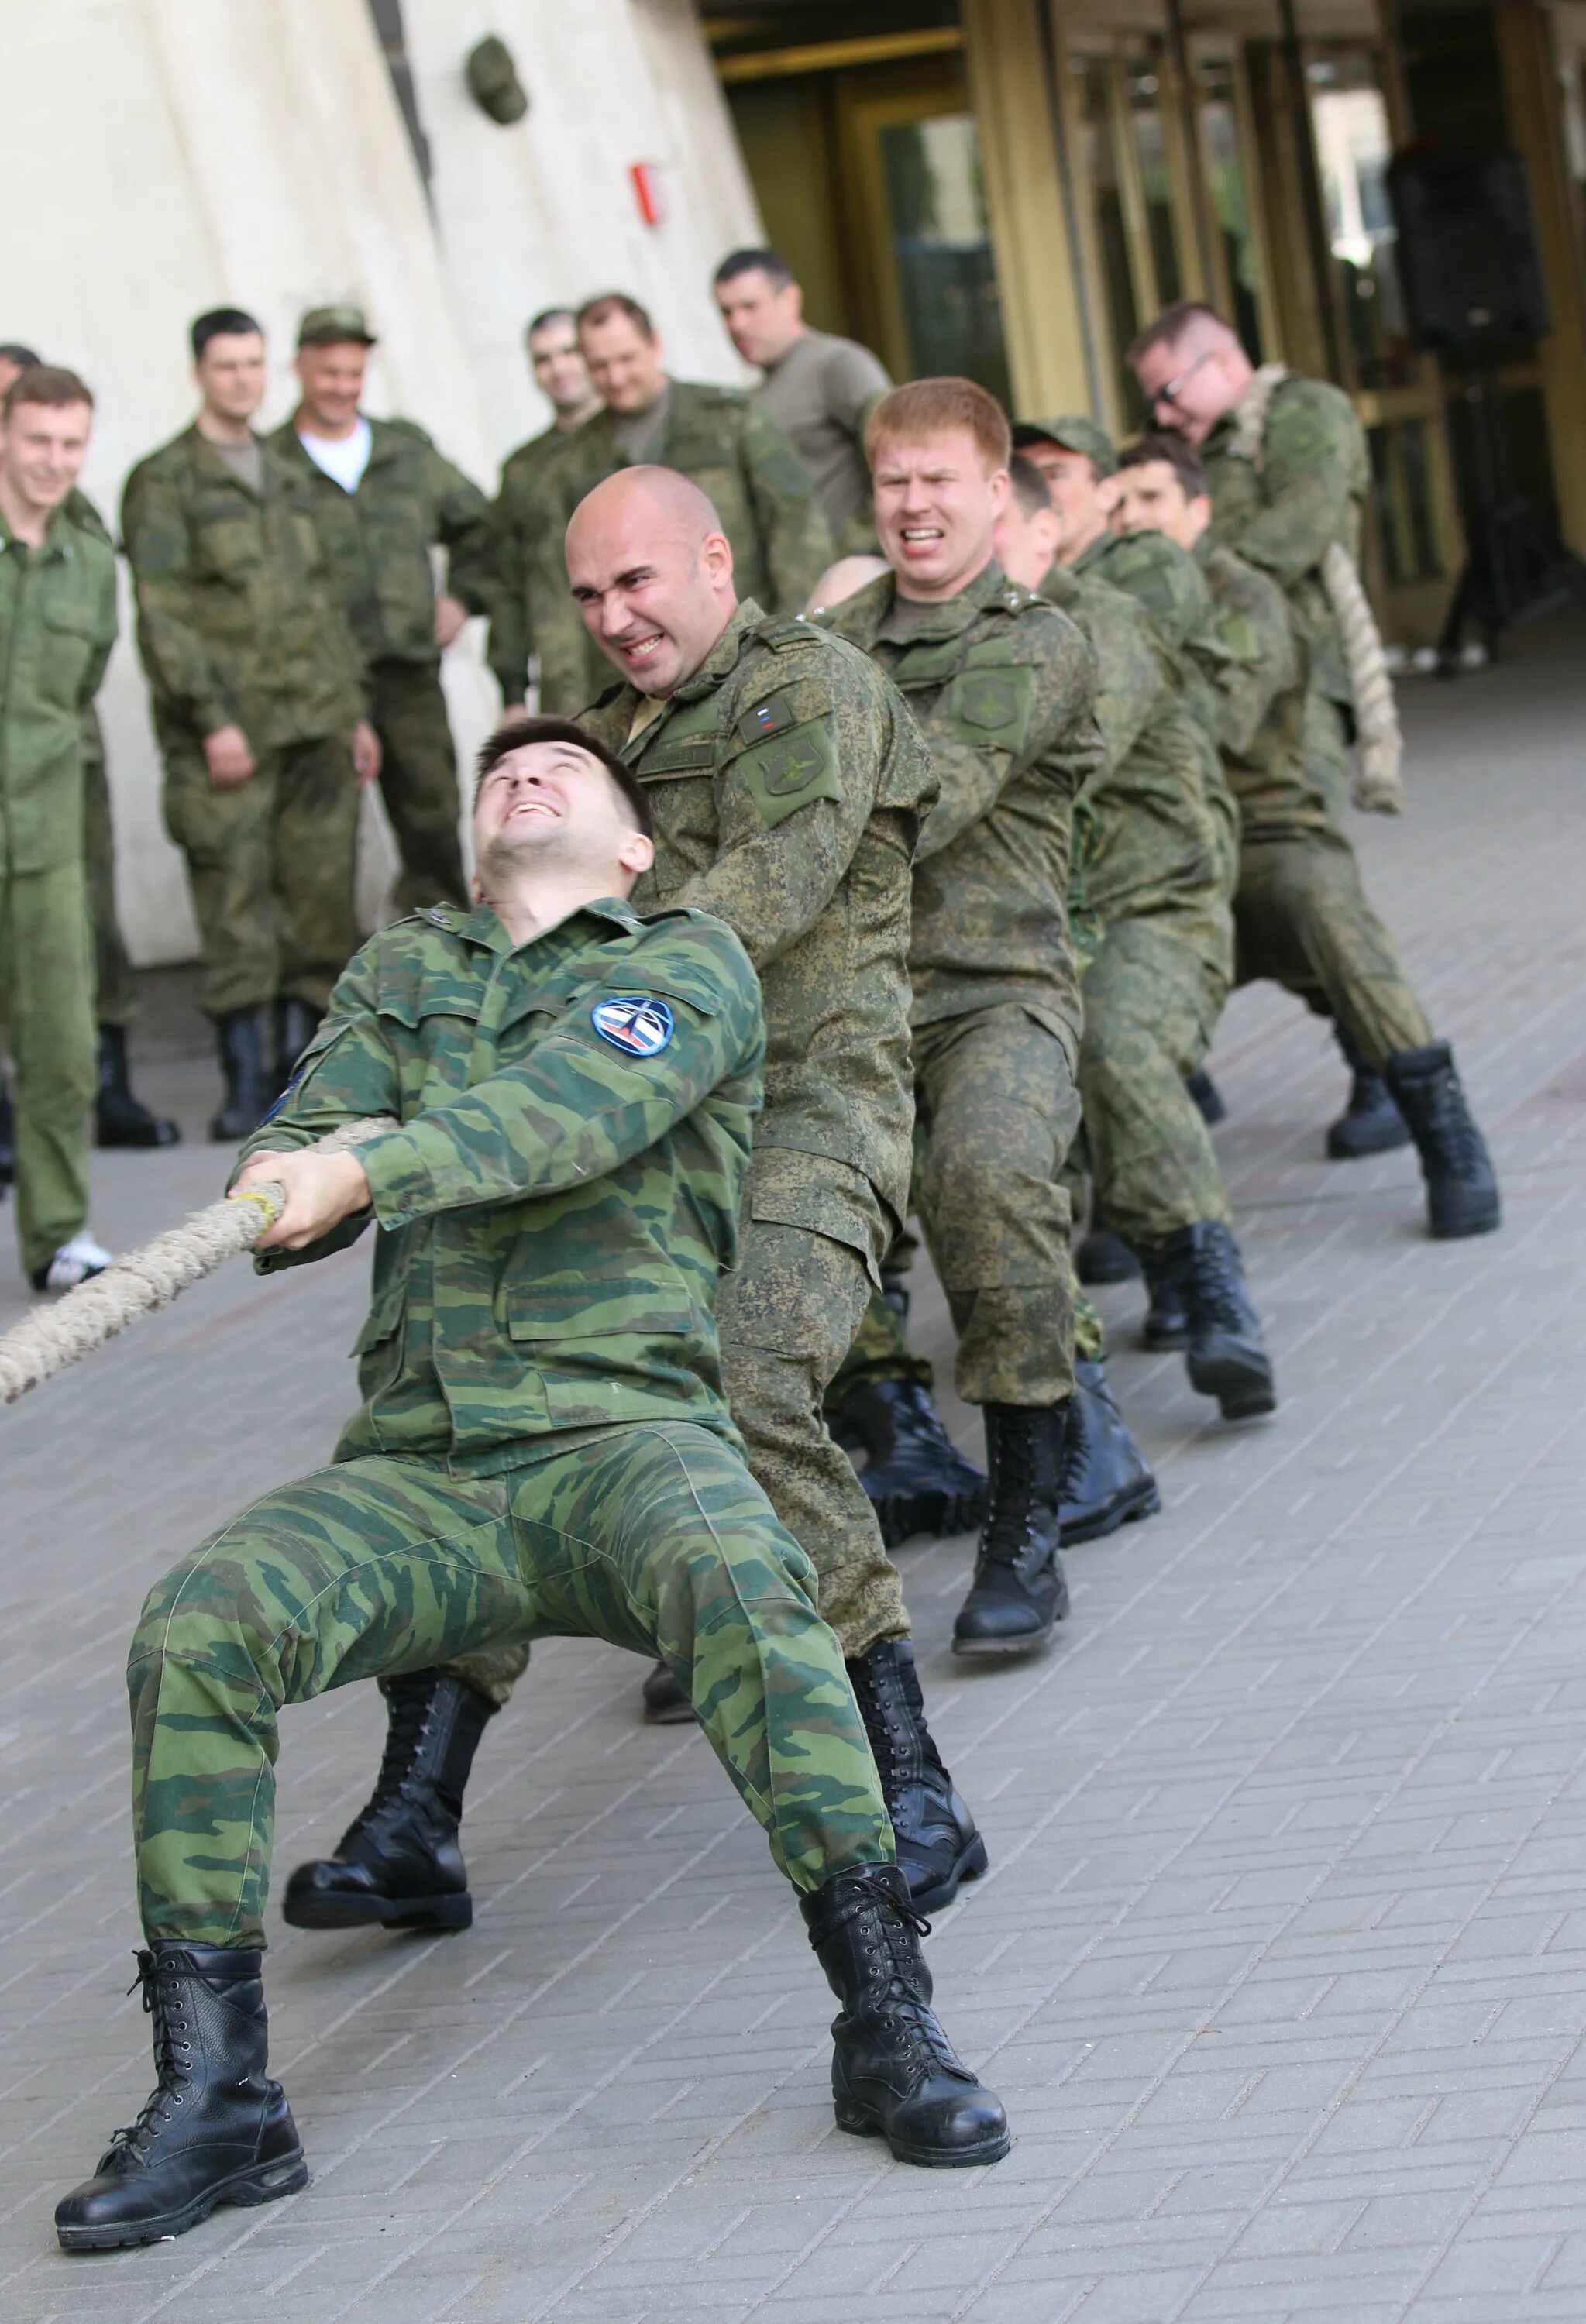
(115, 987)
(271, 866)
(47, 1008)
(655, 1538)
(881, 1352)
(419, 782)
(997, 1111)
(1301, 917)
(1147, 1023)
(786, 1317)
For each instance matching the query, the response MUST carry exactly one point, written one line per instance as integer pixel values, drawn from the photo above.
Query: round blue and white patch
(631, 1022)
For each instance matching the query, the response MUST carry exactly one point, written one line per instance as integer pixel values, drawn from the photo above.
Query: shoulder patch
(765, 718)
(637, 1023)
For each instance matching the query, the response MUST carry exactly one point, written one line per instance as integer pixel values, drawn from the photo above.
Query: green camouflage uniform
(732, 449)
(1301, 914)
(238, 625)
(57, 627)
(1166, 580)
(788, 789)
(115, 988)
(522, 555)
(1003, 687)
(543, 1447)
(1152, 922)
(1282, 513)
(378, 539)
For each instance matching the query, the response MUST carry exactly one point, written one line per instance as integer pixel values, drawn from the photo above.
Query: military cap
(322, 326)
(1075, 431)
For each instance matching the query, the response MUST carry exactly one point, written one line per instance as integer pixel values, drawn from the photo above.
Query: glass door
(912, 163)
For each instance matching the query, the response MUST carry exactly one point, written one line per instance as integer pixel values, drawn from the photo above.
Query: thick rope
(49, 1339)
(1378, 785)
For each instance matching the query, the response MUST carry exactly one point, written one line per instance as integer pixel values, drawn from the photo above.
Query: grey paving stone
(1278, 1962)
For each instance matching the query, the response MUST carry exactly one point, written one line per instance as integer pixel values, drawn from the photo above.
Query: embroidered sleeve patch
(794, 768)
(639, 1026)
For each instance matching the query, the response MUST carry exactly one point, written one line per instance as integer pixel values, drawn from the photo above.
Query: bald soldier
(788, 786)
(1288, 470)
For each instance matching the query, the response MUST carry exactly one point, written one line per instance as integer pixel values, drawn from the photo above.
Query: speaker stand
(1517, 567)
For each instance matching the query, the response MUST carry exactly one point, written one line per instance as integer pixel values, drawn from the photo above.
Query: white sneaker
(72, 1264)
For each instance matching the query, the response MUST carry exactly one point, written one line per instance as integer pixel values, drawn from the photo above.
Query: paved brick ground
(1282, 1964)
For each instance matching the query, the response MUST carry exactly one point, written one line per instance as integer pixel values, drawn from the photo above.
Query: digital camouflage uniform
(238, 625)
(543, 1447)
(732, 448)
(1166, 580)
(1282, 513)
(1152, 926)
(788, 789)
(409, 500)
(1301, 914)
(1003, 687)
(524, 552)
(58, 623)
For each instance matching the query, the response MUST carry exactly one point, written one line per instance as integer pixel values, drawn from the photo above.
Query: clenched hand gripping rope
(49, 1339)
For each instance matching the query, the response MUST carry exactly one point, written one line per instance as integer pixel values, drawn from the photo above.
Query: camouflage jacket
(1168, 583)
(565, 1187)
(1145, 844)
(1003, 687)
(789, 787)
(238, 619)
(734, 451)
(1283, 511)
(56, 626)
(409, 500)
(520, 560)
(1261, 696)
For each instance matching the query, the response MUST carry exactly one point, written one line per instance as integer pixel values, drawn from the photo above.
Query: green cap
(322, 326)
(1075, 431)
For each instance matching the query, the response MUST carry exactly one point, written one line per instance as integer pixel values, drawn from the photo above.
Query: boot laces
(408, 1720)
(1220, 1280)
(1452, 1127)
(925, 2045)
(173, 2054)
(1014, 1477)
(884, 1715)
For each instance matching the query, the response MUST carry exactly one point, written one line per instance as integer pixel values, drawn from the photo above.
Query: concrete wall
(252, 153)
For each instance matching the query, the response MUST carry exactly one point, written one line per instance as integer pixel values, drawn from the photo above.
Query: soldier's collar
(723, 656)
(483, 925)
(949, 616)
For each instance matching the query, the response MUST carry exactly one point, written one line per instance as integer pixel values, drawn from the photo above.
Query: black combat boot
(1104, 1257)
(1105, 1481)
(1371, 1123)
(667, 1701)
(894, 2072)
(916, 1478)
(214, 2129)
(1167, 1324)
(250, 1090)
(398, 1862)
(1205, 1097)
(1462, 1191)
(1227, 1357)
(7, 1140)
(296, 1024)
(938, 1843)
(119, 1118)
(1020, 1591)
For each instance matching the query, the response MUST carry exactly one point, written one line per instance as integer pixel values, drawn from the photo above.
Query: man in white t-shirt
(817, 388)
(384, 499)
